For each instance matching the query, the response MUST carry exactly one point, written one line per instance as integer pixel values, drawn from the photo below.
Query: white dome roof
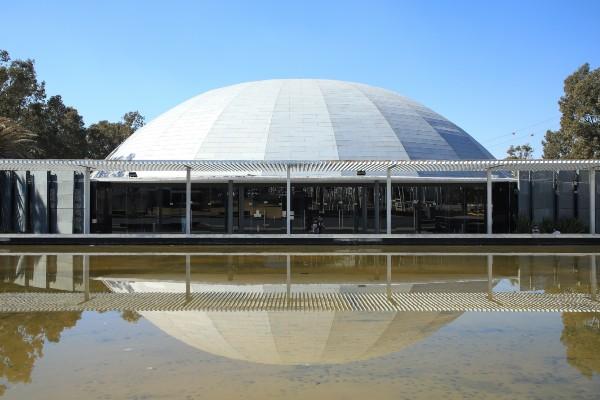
(300, 119)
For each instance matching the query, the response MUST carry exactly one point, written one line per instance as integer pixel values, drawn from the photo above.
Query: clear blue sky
(491, 68)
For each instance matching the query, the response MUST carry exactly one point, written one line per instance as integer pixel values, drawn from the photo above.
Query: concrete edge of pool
(301, 239)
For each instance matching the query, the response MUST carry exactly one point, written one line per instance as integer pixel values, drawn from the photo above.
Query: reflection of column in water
(188, 277)
(519, 275)
(490, 273)
(389, 276)
(593, 278)
(22, 271)
(86, 277)
(39, 272)
(230, 268)
(288, 278)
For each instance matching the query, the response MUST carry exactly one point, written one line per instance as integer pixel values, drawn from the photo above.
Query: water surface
(337, 337)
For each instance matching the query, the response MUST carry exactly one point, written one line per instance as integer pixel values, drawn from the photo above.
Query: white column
(288, 201)
(86, 201)
(489, 205)
(388, 201)
(376, 206)
(188, 200)
(592, 201)
(230, 206)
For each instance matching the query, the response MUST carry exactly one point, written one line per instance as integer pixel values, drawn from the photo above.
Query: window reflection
(316, 208)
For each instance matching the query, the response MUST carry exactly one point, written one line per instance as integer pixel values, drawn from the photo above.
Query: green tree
(104, 136)
(581, 338)
(19, 87)
(60, 130)
(22, 340)
(41, 127)
(579, 133)
(15, 141)
(520, 152)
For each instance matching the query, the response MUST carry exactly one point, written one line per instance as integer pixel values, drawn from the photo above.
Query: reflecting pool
(311, 322)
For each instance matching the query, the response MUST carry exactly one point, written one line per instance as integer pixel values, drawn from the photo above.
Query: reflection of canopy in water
(273, 337)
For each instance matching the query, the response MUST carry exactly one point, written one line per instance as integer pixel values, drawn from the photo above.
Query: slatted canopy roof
(280, 166)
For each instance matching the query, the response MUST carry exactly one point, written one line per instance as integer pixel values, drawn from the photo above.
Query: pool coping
(300, 239)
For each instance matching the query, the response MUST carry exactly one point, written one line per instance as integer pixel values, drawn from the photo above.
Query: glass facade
(157, 207)
(316, 208)
(438, 208)
(330, 208)
(260, 209)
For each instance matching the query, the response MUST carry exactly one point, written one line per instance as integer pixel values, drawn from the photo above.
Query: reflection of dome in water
(292, 337)
(299, 337)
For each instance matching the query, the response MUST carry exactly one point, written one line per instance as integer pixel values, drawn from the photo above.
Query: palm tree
(15, 141)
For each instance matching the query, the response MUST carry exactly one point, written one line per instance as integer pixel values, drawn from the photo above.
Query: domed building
(252, 125)
(300, 119)
(298, 156)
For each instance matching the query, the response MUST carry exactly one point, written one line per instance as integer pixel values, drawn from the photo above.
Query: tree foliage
(520, 152)
(15, 141)
(34, 125)
(105, 136)
(22, 340)
(579, 133)
(19, 87)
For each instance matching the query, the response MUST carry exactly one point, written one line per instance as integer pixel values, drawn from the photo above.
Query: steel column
(241, 205)
(364, 210)
(592, 201)
(388, 201)
(86, 201)
(489, 204)
(376, 206)
(288, 202)
(188, 200)
(230, 206)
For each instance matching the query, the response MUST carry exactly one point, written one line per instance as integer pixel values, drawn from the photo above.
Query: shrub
(547, 225)
(523, 224)
(571, 225)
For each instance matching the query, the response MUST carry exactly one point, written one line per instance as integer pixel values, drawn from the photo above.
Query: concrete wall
(6, 201)
(64, 202)
(543, 195)
(566, 196)
(583, 197)
(565, 202)
(20, 205)
(38, 201)
(41, 202)
(78, 201)
(597, 201)
(524, 194)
